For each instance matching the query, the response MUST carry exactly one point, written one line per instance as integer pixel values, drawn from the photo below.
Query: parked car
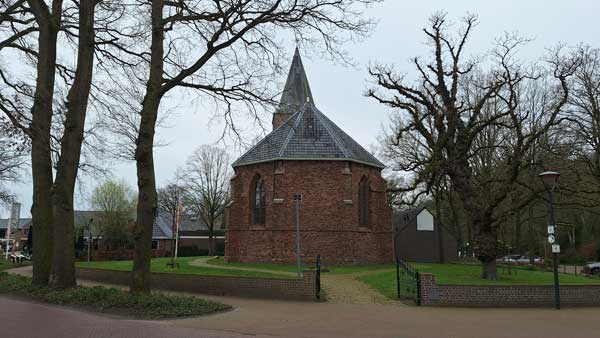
(508, 259)
(592, 268)
(525, 259)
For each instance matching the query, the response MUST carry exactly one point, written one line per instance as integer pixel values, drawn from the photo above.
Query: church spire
(295, 93)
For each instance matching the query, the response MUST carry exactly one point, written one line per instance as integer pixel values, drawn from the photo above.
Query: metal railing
(408, 285)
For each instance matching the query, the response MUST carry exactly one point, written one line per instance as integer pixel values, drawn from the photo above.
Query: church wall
(329, 214)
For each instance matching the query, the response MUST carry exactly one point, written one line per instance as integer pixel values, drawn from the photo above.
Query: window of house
(279, 167)
(154, 245)
(259, 201)
(363, 202)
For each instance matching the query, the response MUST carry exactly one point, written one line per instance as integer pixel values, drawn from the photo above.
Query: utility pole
(298, 199)
(90, 239)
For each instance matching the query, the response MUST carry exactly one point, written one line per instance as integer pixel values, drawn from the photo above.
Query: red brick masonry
(433, 294)
(273, 288)
(329, 215)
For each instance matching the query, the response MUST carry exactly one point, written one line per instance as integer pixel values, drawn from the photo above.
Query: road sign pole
(556, 285)
(554, 253)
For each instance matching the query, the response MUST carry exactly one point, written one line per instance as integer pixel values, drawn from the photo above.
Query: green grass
(218, 261)
(385, 282)
(4, 264)
(159, 265)
(111, 300)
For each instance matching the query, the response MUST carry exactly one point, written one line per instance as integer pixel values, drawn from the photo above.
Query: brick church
(344, 216)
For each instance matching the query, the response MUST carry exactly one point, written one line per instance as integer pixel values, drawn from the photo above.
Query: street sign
(550, 229)
(555, 248)
(551, 239)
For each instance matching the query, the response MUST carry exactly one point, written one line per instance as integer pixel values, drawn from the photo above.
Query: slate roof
(297, 90)
(22, 223)
(308, 134)
(163, 226)
(406, 216)
(191, 223)
(161, 229)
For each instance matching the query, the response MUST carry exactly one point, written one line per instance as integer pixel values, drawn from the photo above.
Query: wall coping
(508, 295)
(239, 286)
(189, 275)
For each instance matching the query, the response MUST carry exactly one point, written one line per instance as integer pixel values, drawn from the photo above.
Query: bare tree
(207, 174)
(54, 125)
(585, 122)
(168, 200)
(451, 107)
(227, 51)
(13, 158)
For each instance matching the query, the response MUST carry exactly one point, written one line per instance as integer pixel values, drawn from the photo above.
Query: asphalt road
(271, 318)
(259, 318)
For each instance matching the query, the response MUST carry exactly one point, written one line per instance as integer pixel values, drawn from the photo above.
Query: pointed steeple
(295, 93)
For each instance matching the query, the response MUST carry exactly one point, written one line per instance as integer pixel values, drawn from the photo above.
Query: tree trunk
(488, 270)
(144, 157)
(485, 246)
(41, 161)
(68, 163)
(485, 235)
(211, 240)
(438, 218)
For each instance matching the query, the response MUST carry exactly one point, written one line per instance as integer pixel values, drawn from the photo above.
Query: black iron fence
(407, 282)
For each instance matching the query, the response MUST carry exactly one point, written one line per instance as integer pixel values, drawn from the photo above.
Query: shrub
(111, 300)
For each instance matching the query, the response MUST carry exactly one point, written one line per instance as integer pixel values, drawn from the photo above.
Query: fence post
(418, 288)
(397, 279)
(318, 277)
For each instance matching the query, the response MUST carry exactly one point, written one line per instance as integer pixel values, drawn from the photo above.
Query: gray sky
(338, 91)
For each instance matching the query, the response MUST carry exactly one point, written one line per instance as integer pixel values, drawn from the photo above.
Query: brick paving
(346, 289)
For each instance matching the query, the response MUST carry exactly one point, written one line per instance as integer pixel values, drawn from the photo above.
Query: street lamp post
(550, 179)
(298, 199)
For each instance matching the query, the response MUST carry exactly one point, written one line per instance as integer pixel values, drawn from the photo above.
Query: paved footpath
(264, 318)
(340, 288)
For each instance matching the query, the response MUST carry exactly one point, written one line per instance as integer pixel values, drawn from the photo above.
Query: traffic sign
(550, 229)
(551, 239)
(555, 248)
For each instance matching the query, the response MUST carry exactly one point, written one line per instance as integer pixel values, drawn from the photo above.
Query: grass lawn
(4, 264)
(159, 265)
(218, 261)
(385, 282)
(110, 300)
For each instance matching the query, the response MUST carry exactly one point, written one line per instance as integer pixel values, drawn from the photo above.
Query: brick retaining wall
(433, 294)
(274, 288)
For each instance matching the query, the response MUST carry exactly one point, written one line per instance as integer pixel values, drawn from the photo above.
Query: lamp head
(550, 178)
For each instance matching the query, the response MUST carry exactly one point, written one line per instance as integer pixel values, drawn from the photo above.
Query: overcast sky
(338, 91)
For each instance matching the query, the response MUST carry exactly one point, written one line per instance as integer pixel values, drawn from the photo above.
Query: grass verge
(5, 265)
(336, 270)
(111, 300)
(385, 282)
(159, 265)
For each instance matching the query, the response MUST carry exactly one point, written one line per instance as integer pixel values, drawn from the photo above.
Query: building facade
(343, 214)
(422, 238)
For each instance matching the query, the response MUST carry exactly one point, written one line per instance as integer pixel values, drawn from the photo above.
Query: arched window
(259, 200)
(363, 202)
